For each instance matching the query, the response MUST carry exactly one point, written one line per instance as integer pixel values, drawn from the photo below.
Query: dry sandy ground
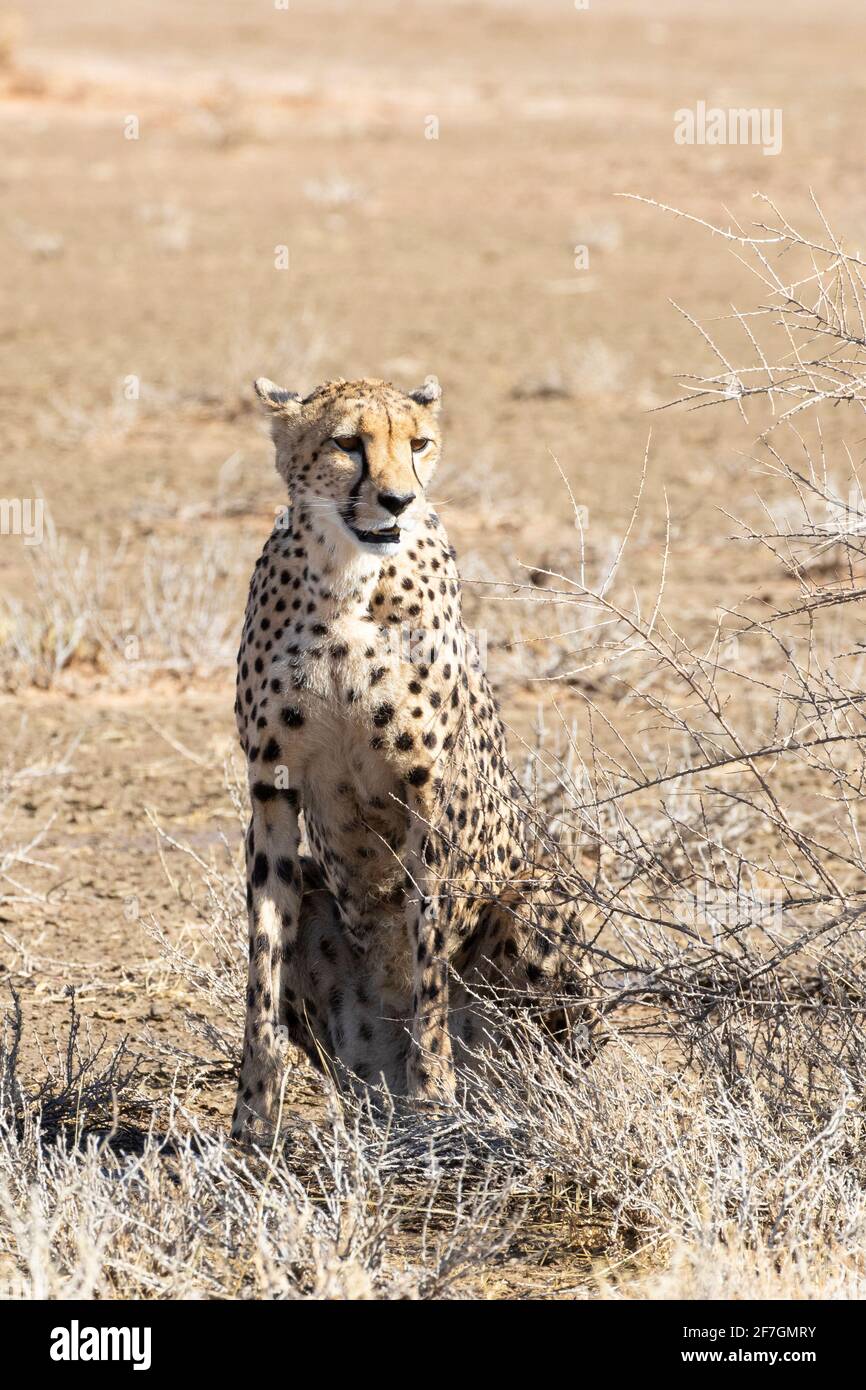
(154, 258)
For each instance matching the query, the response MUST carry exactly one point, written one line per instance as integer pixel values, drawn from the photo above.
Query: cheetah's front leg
(274, 886)
(429, 1066)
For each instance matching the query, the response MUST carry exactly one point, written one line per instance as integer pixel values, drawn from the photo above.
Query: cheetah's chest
(353, 801)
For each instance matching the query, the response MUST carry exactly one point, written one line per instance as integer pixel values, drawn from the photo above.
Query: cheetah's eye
(419, 445)
(349, 443)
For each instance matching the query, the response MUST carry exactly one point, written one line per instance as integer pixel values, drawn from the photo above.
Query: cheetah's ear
(428, 394)
(275, 398)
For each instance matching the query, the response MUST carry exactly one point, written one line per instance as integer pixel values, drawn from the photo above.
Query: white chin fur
(386, 548)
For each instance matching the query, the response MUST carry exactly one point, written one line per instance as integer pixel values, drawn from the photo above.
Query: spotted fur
(390, 852)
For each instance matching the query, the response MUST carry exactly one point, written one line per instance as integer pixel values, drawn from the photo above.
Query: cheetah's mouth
(384, 535)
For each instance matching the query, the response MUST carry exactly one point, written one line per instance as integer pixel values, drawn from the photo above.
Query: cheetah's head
(357, 456)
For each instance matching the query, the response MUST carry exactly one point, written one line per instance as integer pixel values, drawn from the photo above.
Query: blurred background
(429, 171)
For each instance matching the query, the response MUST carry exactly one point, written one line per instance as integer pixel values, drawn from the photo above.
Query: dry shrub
(176, 613)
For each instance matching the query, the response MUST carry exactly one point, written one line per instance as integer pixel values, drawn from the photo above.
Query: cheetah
(391, 851)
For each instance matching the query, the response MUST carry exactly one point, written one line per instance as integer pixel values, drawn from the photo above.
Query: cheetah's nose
(395, 502)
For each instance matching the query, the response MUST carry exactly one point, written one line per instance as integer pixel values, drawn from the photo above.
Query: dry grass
(94, 613)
